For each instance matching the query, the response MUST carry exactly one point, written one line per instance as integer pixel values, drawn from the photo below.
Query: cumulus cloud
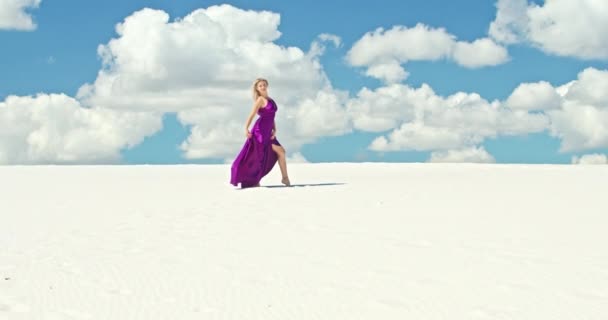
(479, 53)
(473, 154)
(387, 107)
(390, 72)
(421, 120)
(296, 157)
(595, 158)
(418, 119)
(202, 67)
(591, 88)
(321, 115)
(511, 21)
(383, 51)
(582, 121)
(560, 27)
(578, 110)
(55, 128)
(420, 137)
(534, 96)
(13, 14)
(580, 127)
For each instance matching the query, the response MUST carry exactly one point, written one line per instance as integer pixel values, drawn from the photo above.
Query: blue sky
(60, 55)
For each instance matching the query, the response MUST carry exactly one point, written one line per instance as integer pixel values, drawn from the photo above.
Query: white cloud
(383, 51)
(331, 37)
(203, 66)
(582, 120)
(420, 137)
(55, 128)
(576, 113)
(479, 53)
(534, 96)
(385, 108)
(591, 88)
(578, 110)
(13, 14)
(317, 48)
(214, 142)
(511, 21)
(561, 27)
(473, 154)
(390, 72)
(595, 158)
(580, 127)
(422, 120)
(296, 157)
(400, 44)
(321, 115)
(205, 59)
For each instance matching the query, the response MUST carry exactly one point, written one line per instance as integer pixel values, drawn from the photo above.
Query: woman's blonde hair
(256, 94)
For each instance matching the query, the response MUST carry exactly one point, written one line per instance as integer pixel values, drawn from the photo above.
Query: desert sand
(347, 241)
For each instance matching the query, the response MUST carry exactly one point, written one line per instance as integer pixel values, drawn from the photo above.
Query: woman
(261, 150)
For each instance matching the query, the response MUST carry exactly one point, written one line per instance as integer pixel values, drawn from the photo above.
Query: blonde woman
(261, 149)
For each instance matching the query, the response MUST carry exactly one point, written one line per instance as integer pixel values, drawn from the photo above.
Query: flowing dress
(256, 158)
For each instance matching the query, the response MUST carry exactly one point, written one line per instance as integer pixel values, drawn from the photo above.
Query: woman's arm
(256, 105)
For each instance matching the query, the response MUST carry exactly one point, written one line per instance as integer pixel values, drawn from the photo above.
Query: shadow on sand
(305, 185)
(296, 185)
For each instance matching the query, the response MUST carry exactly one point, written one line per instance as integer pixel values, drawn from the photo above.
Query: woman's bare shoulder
(260, 101)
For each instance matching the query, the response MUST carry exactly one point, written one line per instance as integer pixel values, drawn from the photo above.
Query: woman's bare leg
(282, 163)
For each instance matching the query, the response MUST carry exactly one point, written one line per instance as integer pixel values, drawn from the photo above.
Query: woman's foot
(285, 181)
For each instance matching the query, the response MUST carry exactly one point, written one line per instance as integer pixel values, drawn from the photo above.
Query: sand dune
(348, 241)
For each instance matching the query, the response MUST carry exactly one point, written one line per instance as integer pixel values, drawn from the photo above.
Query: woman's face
(262, 86)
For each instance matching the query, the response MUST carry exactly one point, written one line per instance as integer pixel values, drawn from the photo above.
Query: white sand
(359, 241)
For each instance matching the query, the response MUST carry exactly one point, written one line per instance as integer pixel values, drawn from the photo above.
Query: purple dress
(256, 158)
